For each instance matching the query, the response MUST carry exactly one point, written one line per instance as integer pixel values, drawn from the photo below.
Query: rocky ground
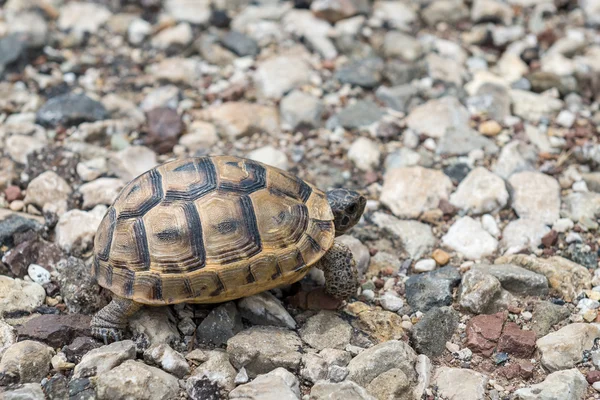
(472, 127)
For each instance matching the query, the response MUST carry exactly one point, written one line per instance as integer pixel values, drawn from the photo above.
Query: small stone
(154, 325)
(432, 289)
(17, 295)
(261, 349)
(28, 391)
(440, 257)
(516, 341)
(103, 359)
(299, 109)
(449, 114)
(523, 234)
(168, 359)
(92, 169)
(478, 292)
(324, 390)
(431, 333)
(76, 229)
(164, 128)
(276, 76)
(265, 309)
(472, 384)
(277, 384)
(25, 362)
(568, 385)
(365, 154)
(333, 10)
(47, 188)
(468, 237)
(462, 141)
(163, 96)
(271, 156)
(490, 128)
(449, 11)
(546, 315)
(399, 97)
(70, 109)
(391, 384)
(532, 106)
(359, 115)
(237, 119)
(149, 382)
(391, 302)
(242, 377)
(550, 238)
(380, 325)
(223, 323)
(535, 196)
(179, 35)
(417, 238)
(240, 44)
(491, 10)
(365, 72)
(582, 206)
(516, 279)
(79, 347)
(215, 374)
(401, 45)
(483, 332)
(381, 358)
(565, 118)
(563, 349)
(396, 14)
(138, 31)
(480, 192)
(100, 191)
(426, 265)
(326, 330)
(78, 287)
(55, 330)
(408, 192)
(38, 274)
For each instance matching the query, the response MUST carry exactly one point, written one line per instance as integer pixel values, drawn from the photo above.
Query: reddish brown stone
(483, 332)
(526, 368)
(510, 371)
(13, 193)
(516, 341)
(316, 299)
(447, 207)
(164, 128)
(55, 330)
(550, 238)
(593, 377)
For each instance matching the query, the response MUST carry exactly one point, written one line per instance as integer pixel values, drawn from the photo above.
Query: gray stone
(515, 157)
(392, 384)
(431, 333)
(12, 48)
(326, 330)
(397, 97)
(535, 196)
(216, 372)
(278, 384)
(240, 44)
(168, 359)
(223, 323)
(314, 367)
(480, 192)
(360, 114)
(564, 385)
(523, 234)
(278, 75)
(263, 348)
(25, 362)
(491, 10)
(592, 180)
(359, 251)
(431, 289)
(400, 72)
(417, 238)
(400, 45)
(149, 383)
(582, 205)
(449, 11)
(492, 100)
(103, 359)
(564, 348)
(8, 337)
(78, 287)
(365, 73)
(468, 237)
(347, 390)
(19, 295)
(265, 309)
(478, 292)
(192, 11)
(472, 384)
(11, 223)
(532, 106)
(300, 109)
(449, 112)
(70, 109)
(461, 141)
(515, 279)
(378, 359)
(28, 391)
(155, 325)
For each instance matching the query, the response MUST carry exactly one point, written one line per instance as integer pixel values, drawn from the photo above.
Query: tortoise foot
(107, 335)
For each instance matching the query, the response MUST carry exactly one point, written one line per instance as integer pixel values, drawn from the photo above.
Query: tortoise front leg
(109, 323)
(339, 267)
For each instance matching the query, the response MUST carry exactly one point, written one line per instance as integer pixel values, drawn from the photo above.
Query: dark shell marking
(210, 229)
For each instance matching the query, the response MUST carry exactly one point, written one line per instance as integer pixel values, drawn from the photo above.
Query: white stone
(564, 385)
(19, 295)
(91, 169)
(100, 191)
(480, 192)
(460, 384)
(425, 265)
(132, 162)
(449, 112)
(563, 225)
(47, 188)
(279, 384)
(563, 349)
(416, 238)
(490, 225)
(410, 191)
(76, 229)
(138, 31)
(179, 35)
(398, 14)
(192, 11)
(82, 17)
(271, 156)
(38, 274)
(468, 237)
(18, 147)
(365, 154)
(301, 109)
(278, 75)
(523, 234)
(535, 196)
(532, 106)
(391, 302)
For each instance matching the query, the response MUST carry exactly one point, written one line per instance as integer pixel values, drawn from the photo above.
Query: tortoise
(218, 228)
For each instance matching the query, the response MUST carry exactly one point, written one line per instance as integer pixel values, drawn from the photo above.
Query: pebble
(278, 383)
(70, 109)
(168, 359)
(365, 154)
(28, 391)
(366, 73)
(558, 349)
(410, 191)
(450, 114)
(401, 45)
(138, 31)
(103, 359)
(417, 238)
(326, 330)
(535, 196)
(76, 229)
(448, 11)
(38, 274)
(265, 309)
(391, 302)
(83, 17)
(478, 292)
(571, 385)
(25, 362)
(480, 192)
(100, 191)
(473, 384)
(48, 188)
(237, 119)
(271, 156)
(359, 115)
(276, 76)
(324, 390)
(240, 44)
(431, 333)
(378, 359)
(299, 109)
(132, 161)
(582, 205)
(164, 128)
(432, 289)
(463, 141)
(483, 332)
(468, 237)
(533, 107)
(425, 265)
(563, 225)
(546, 315)
(215, 374)
(523, 234)
(54, 329)
(333, 10)
(515, 279)
(515, 157)
(194, 12)
(19, 295)
(179, 35)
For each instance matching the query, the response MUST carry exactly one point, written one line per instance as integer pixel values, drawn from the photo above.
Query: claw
(107, 335)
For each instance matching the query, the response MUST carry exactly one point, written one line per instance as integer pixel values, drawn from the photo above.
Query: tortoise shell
(210, 229)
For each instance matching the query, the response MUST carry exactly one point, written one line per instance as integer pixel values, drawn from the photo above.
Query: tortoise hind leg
(109, 323)
(339, 267)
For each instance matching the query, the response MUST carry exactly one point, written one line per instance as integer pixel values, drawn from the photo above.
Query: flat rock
(564, 348)
(55, 330)
(378, 359)
(76, 229)
(265, 309)
(168, 359)
(348, 390)
(279, 384)
(468, 237)
(326, 330)
(410, 191)
(431, 333)
(262, 349)
(132, 161)
(223, 323)
(535, 196)
(515, 157)
(432, 289)
(70, 109)
(523, 234)
(240, 44)
(237, 119)
(516, 341)
(136, 380)
(565, 385)
(300, 109)
(25, 362)
(417, 238)
(516, 279)
(100, 191)
(564, 276)
(364, 72)
(276, 76)
(28, 391)
(380, 325)
(271, 156)
(472, 384)
(462, 140)
(480, 192)
(359, 115)
(192, 11)
(546, 315)
(215, 374)
(483, 332)
(47, 188)
(18, 295)
(449, 112)
(103, 359)
(365, 154)
(582, 205)
(392, 384)
(532, 106)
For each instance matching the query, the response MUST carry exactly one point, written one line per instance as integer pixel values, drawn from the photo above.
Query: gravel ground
(471, 126)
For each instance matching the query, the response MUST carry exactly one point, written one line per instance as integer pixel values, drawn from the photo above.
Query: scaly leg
(339, 267)
(109, 323)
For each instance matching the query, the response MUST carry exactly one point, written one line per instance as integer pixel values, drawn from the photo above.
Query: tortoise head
(347, 206)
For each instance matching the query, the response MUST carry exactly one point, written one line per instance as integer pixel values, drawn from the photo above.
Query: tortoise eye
(345, 221)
